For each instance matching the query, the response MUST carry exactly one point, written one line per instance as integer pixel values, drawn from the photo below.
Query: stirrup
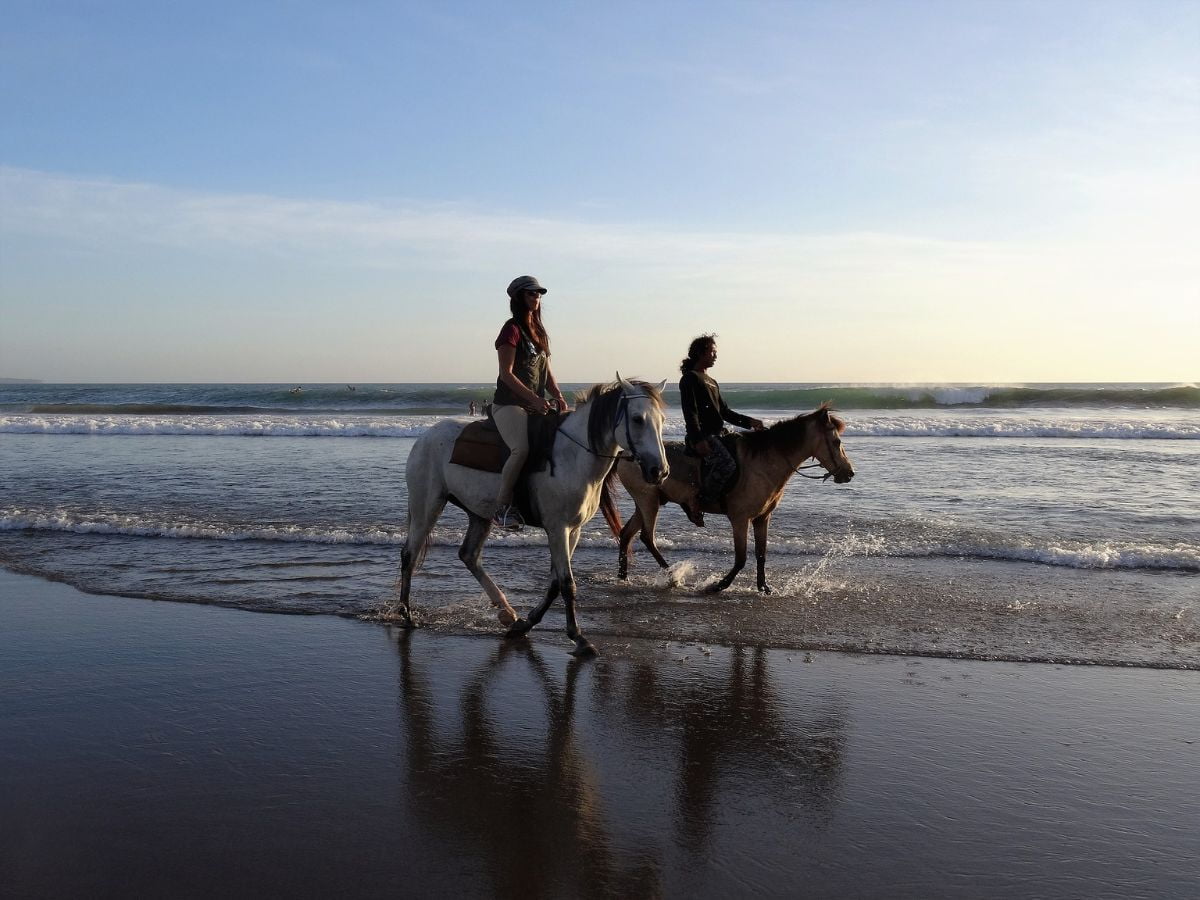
(508, 517)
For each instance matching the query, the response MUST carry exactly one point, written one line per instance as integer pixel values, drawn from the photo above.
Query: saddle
(479, 446)
(688, 467)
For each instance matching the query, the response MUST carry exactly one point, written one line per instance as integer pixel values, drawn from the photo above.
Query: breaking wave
(411, 426)
(1180, 557)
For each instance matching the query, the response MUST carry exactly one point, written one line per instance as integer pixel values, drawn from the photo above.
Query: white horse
(625, 417)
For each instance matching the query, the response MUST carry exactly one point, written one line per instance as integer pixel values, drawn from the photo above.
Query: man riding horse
(705, 414)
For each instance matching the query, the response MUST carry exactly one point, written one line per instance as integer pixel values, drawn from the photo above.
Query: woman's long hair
(530, 320)
(695, 348)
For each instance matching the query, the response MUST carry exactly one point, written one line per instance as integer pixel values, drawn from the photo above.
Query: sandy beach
(161, 749)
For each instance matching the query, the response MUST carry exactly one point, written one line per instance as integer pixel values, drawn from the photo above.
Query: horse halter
(818, 465)
(622, 413)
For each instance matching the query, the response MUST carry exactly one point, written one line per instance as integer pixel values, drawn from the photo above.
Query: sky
(893, 191)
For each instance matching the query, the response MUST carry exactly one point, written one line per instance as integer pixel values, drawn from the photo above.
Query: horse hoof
(507, 617)
(519, 629)
(764, 589)
(586, 650)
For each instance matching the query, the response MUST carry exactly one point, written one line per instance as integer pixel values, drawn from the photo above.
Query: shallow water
(1020, 547)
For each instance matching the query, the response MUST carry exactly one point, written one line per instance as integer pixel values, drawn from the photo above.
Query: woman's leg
(513, 424)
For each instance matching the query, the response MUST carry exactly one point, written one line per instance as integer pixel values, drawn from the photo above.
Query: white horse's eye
(639, 420)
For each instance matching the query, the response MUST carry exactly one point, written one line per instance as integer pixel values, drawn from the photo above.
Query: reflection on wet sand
(619, 779)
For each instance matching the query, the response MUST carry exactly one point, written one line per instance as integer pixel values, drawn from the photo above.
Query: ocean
(1046, 522)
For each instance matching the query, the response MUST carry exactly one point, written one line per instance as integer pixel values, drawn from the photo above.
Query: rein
(622, 413)
(816, 465)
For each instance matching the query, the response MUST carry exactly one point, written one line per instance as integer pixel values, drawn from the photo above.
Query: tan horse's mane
(785, 433)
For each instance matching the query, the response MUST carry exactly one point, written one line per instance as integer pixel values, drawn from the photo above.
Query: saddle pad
(479, 446)
(684, 466)
(687, 466)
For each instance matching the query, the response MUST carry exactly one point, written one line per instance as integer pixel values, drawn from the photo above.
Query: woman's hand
(701, 447)
(562, 403)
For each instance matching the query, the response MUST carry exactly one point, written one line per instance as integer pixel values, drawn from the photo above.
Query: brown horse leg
(650, 520)
(739, 553)
(625, 551)
(760, 550)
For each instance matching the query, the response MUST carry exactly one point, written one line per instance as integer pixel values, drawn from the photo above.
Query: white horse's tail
(416, 555)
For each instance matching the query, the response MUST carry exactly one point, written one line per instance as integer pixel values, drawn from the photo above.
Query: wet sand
(158, 749)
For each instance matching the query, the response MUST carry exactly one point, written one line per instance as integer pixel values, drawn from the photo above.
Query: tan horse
(766, 461)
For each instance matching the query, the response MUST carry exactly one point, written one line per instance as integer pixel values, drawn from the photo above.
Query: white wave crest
(1020, 427)
(1078, 555)
(137, 526)
(921, 426)
(219, 426)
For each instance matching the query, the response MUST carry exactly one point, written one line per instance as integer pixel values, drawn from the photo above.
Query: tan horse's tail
(608, 506)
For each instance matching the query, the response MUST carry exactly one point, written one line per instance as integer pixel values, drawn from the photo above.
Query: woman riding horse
(623, 419)
(523, 349)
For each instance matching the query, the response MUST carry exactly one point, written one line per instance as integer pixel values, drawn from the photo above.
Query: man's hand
(757, 425)
(701, 448)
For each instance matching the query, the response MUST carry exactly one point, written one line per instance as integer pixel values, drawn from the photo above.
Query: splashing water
(675, 575)
(813, 580)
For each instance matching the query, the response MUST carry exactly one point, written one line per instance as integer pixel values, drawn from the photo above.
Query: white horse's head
(637, 427)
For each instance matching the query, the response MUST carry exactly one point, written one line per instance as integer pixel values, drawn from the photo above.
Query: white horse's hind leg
(471, 553)
(423, 513)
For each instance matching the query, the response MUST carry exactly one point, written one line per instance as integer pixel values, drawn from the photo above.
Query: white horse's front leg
(562, 541)
(583, 647)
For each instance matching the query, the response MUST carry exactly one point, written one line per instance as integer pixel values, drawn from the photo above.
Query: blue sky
(889, 191)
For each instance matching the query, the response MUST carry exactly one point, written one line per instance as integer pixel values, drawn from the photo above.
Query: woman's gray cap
(524, 283)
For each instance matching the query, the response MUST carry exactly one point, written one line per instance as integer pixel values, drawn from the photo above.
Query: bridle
(818, 465)
(622, 413)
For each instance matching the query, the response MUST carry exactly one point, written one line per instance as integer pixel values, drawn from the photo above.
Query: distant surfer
(351, 387)
(471, 408)
(296, 390)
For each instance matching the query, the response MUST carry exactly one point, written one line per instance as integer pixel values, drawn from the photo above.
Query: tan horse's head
(826, 444)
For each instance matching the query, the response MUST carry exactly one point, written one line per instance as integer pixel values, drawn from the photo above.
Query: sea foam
(889, 425)
(1181, 557)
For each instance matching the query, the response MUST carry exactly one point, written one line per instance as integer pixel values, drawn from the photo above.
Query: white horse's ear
(662, 385)
(625, 385)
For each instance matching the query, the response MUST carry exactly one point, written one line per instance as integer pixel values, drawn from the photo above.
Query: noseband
(817, 465)
(622, 413)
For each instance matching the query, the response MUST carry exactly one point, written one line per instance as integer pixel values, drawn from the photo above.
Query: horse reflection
(578, 806)
(535, 822)
(734, 728)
